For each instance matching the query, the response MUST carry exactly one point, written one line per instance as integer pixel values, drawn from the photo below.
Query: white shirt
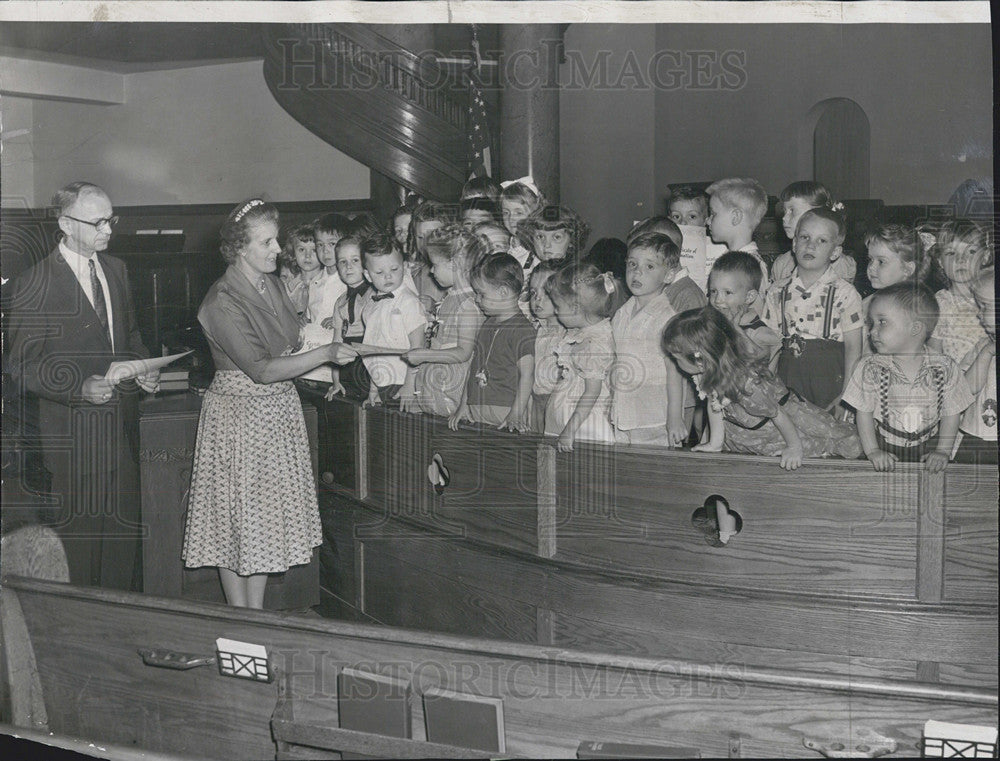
(80, 265)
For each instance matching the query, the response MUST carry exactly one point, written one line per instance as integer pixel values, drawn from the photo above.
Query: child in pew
(443, 367)
(817, 313)
(482, 187)
(496, 237)
(682, 291)
(399, 225)
(749, 409)
(978, 425)
(647, 390)
(796, 200)
(299, 264)
(518, 200)
(688, 206)
(658, 224)
(895, 254)
(474, 211)
(907, 399)
(735, 208)
(351, 380)
(584, 299)
(962, 249)
(734, 289)
(393, 318)
(554, 233)
(550, 334)
(323, 287)
(426, 218)
(498, 390)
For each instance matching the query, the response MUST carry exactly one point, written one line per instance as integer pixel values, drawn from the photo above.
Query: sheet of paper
(367, 350)
(132, 368)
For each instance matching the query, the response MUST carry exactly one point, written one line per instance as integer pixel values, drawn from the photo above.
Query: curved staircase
(398, 113)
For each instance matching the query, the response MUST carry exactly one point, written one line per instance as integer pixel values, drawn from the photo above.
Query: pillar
(529, 104)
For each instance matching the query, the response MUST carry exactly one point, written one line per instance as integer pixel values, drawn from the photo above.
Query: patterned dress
(439, 385)
(252, 505)
(584, 353)
(750, 427)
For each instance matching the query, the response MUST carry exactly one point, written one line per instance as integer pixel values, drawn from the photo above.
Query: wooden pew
(836, 568)
(96, 687)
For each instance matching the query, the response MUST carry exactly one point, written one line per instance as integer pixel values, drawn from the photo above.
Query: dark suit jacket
(55, 343)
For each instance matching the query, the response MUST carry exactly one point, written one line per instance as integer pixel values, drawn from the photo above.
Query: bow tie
(381, 296)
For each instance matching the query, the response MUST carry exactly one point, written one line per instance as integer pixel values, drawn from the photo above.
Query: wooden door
(841, 145)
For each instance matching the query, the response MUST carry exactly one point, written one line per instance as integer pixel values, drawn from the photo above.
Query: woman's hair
(913, 298)
(964, 231)
(813, 193)
(906, 243)
(462, 248)
(482, 187)
(499, 270)
(609, 255)
(428, 211)
(707, 338)
(598, 294)
(495, 235)
(837, 217)
(294, 235)
(362, 226)
(235, 233)
(555, 218)
(331, 224)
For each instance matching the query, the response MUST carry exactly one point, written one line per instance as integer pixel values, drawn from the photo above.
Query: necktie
(352, 298)
(100, 305)
(381, 296)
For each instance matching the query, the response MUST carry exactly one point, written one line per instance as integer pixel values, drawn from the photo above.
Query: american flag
(480, 160)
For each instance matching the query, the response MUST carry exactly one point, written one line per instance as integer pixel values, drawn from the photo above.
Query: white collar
(73, 259)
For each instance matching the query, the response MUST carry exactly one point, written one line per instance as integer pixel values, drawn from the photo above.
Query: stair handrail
(418, 79)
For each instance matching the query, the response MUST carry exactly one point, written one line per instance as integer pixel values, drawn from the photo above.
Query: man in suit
(70, 316)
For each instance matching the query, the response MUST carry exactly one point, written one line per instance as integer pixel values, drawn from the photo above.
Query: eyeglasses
(97, 224)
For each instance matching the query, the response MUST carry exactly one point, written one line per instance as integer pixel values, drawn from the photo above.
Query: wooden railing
(387, 107)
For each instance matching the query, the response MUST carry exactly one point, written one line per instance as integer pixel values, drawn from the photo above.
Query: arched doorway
(840, 141)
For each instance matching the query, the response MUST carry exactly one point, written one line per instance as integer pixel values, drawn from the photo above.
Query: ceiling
(131, 47)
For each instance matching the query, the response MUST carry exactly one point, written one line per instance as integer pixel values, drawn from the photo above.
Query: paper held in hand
(133, 368)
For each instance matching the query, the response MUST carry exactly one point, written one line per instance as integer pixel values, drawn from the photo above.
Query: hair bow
(837, 207)
(527, 181)
(927, 239)
(246, 207)
(609, 282)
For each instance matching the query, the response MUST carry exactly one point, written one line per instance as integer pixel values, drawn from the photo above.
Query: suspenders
(827, 310)
(937, 374)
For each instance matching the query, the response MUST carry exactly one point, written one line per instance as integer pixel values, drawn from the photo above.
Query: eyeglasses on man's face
(110, 222)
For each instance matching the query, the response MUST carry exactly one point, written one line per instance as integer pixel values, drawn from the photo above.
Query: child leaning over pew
(749, 409)
(444, 365)
(498, 391)
(908, 400)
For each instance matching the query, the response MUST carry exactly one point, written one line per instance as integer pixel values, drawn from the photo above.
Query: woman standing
(252, 506)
